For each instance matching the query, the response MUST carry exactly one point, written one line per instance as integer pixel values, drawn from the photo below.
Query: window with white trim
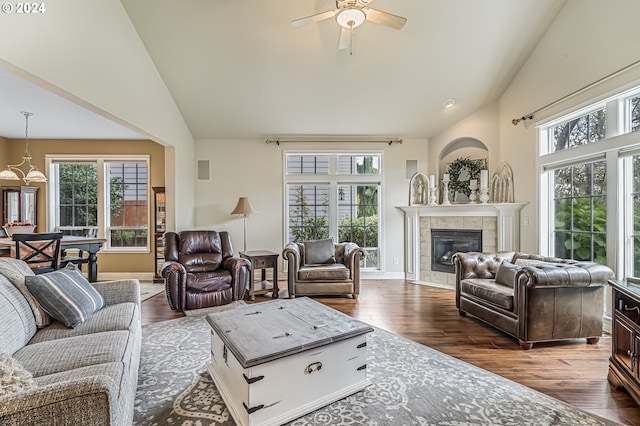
(105, 196)
(590, 184)
(335, 195)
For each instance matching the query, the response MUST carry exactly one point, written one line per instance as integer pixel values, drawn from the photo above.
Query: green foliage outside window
(581, 230)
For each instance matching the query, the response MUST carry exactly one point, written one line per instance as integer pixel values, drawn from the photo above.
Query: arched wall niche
(462, 148)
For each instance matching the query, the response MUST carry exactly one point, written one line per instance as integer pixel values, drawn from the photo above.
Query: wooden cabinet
(19, 204)
(623, 364)
(159, 226)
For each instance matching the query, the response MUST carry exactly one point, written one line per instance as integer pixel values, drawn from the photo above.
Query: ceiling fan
(350, 14)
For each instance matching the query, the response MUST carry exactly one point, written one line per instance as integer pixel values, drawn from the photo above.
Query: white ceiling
(238, 69)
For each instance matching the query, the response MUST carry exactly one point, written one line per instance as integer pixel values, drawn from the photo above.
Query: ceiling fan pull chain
(351, 41)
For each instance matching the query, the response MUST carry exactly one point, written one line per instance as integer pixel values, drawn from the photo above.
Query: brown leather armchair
(200, 270)
(339, 276)
(542, 299)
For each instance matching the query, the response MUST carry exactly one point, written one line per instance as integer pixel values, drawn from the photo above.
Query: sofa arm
(84, 401)
(240, 270)
(175, 278)
(579, 274)
(353, 254)
(119, 291)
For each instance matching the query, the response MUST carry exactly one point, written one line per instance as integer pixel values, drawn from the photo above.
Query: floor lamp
(245, 209)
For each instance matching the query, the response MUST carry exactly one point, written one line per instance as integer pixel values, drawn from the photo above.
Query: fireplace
(447, 242)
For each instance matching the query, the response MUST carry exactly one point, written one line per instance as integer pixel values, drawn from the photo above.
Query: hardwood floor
(571, 371)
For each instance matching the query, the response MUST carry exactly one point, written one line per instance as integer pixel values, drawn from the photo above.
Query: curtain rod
(529, 116)
(376, 140)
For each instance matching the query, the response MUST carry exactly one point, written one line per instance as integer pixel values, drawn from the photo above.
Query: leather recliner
(200, 270)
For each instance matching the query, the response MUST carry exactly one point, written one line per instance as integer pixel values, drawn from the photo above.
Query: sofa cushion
(489, 291)
(122, 316)
(506, 274)
(332, 272)
(13, 377)
(209, 281)
(58, 355)
(318, 252)
(17, 324)
(16, 270)
(66, 295)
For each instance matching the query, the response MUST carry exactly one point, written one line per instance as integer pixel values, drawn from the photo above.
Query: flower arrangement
(12, 224)
(19, 228)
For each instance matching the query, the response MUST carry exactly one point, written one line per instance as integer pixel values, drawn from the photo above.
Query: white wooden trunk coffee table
(275, 361)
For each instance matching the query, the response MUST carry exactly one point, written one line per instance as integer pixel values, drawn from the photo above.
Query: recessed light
(448, 103)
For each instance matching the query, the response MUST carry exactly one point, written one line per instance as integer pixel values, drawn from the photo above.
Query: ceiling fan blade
(345, 36)
(314, 18)
(384, 18)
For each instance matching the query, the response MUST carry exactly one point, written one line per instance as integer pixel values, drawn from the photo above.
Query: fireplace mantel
(508, 227)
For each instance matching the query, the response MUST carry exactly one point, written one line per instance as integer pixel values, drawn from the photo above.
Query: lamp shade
(244, 207)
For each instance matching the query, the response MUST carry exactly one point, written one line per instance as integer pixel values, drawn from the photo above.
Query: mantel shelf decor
(461, 171)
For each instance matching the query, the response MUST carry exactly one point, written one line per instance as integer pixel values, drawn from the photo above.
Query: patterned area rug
(412, 385)
(148, 290)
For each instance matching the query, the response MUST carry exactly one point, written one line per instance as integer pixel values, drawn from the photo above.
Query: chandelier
(33, 174)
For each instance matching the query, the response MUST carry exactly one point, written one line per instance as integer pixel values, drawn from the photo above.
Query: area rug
(412, 385)
(148, 290)
(204, 311)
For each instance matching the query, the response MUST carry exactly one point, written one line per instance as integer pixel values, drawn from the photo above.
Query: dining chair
(78, 257)
(40, 251)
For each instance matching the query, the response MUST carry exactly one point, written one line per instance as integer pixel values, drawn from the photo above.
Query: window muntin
(338, 197)
(358, 213)
(127, 203)
(78, 197)
(83, 201)
(358, 165)
(307, 164)
(579, 200)
(582, 130)
(308, 207)
(634, 113)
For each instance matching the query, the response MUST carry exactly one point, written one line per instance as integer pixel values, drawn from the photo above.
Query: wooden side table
(262, 259)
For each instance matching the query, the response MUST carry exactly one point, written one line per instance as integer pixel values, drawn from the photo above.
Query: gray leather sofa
(85, 375)
(341, 276)
(534, 298)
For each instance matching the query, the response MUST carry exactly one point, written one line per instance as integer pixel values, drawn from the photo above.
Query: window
(582, 130)
(107, 196)
(335, 195)
(579, 200)
(590, 197)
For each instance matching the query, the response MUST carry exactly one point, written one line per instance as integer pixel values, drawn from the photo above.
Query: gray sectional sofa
(85, 375)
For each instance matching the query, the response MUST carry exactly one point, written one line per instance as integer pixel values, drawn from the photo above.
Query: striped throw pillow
(66, 295)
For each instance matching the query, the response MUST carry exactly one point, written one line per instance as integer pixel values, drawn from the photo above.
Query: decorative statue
(418, 190)
(502, 184)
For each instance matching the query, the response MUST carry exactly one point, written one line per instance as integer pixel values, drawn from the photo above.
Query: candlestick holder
(445, 195)
(473, 196)
(433, 196)
(484, 195)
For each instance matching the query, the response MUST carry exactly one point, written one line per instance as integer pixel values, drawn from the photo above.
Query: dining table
(91, 245)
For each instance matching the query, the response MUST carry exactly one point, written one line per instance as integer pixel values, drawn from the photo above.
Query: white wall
(589, 39)
(89, 53)
(251, 168)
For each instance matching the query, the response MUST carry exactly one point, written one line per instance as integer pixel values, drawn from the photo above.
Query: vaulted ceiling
(239, 69)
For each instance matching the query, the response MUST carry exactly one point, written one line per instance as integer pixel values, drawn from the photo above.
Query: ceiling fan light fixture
(351, 18)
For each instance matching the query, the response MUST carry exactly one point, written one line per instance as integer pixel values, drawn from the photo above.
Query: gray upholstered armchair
(323, 268)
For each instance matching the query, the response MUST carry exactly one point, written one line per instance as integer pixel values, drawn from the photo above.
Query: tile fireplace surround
(500, 225)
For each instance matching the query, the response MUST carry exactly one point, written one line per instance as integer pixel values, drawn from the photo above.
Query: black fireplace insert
(447, 242)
